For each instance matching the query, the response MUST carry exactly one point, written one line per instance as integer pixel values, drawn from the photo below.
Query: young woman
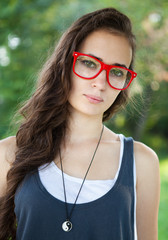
(65, 175)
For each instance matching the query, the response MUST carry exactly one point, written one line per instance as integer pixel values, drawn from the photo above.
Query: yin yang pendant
(67, 226)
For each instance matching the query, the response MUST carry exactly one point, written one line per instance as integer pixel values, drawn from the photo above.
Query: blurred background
(29, 29)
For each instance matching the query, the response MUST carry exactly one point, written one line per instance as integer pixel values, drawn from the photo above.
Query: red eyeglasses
(88, 67)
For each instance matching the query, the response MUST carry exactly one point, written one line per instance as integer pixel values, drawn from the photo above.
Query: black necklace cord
(63, 180)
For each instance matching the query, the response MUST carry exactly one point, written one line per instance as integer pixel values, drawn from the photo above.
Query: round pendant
(67, 226)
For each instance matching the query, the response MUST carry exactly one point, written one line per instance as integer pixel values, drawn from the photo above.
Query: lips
(93, 99)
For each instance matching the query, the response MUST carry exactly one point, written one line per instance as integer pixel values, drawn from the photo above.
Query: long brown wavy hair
(45, 114)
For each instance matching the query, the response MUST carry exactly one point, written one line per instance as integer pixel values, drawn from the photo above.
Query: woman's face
(93, 97)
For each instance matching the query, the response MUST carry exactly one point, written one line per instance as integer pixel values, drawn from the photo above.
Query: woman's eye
(116, 72)
(89, 64)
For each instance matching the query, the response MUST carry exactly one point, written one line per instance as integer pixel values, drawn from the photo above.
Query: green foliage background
(29, 29)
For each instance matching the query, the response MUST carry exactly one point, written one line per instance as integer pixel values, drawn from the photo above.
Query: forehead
(110, 47)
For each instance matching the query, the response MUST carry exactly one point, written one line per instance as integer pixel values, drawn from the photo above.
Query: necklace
(67, 225)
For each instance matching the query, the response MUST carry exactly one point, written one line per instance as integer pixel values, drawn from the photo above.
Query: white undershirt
(51, 178)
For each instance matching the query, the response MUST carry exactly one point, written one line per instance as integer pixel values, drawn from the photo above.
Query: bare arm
(148, 192)
(7, 156)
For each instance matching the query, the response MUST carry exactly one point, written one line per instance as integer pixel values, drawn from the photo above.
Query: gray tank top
(110, 217)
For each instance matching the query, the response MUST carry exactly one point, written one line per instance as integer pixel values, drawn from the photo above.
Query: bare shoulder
(7, 156)
(145, 156)
(147, 162)
(7, 149)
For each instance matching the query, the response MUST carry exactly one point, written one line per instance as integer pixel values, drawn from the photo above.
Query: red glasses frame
(103, 67)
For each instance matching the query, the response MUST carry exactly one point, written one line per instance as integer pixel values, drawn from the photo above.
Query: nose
(100, 81)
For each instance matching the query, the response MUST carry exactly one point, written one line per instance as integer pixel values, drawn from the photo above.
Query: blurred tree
(30, 28)
(28, 31)
(149, 120)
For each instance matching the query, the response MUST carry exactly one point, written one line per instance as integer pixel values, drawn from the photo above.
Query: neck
(83, 128)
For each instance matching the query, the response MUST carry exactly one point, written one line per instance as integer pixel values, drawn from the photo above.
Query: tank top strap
(126, 174)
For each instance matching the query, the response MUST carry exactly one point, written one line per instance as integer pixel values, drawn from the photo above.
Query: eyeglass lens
(88, 67)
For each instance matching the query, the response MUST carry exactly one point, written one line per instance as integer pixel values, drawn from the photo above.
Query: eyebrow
(115, 64)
